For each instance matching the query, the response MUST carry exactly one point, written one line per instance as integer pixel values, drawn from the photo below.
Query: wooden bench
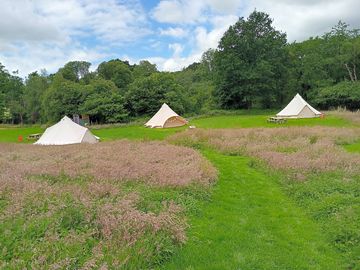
(34, 136)
(276, 120)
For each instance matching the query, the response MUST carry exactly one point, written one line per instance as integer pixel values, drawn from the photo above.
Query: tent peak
(65, 118)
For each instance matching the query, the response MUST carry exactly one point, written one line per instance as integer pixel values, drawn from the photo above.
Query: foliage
(144, 69)
(116, 71)
(146, 95)
(250, 63)
(62, 98)
(104, 103)
(345, 94)
(35, 87)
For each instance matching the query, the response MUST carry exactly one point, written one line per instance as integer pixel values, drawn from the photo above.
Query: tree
(35, 87)
(75, 70)
(342, 50)
(146, 95)
(308, 67)
(11, 92)
(104, 104)
(250, 63)
(144, 69)
(345, 94)
(116, 71)
(63, 97)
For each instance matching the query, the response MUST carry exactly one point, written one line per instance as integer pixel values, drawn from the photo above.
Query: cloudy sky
(37, 34)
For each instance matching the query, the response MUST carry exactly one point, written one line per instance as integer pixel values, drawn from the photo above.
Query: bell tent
(299, 108)
(166, 118)
(66, 132)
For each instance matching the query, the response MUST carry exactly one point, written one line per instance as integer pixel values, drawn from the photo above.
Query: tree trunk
(350, 72)
(354, 69)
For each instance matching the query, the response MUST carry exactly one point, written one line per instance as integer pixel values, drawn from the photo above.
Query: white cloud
(202, 40)
(177, 49)
(190, 12)
(178, 11)
(176, 32)
(47, 34)
(305, 18)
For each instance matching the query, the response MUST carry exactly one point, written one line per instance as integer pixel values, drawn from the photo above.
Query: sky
(46, 34)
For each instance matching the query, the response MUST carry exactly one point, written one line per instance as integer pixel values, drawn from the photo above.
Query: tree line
(253, 67)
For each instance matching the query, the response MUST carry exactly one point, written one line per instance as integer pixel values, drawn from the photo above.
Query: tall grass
(85, 207)
(294, 148)
(353, 116)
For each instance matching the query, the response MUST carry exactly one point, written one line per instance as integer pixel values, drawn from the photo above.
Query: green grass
(134, 132)
(251, 121)
(354, 147)
(251, 224)
(240, 119)
(332, 200)
(11, 134)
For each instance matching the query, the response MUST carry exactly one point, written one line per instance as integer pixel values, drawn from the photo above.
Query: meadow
(234, 193)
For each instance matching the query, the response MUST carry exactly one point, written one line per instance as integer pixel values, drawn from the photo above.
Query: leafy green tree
(63, 97)
(345, 94)
(116, 71)
(144, 69)
(250, 63)
(198, 87)
(308, 67)
(105, 108)
(11, 92)
(146, 95)
(75, 70)
(35, 87)
(104, 104)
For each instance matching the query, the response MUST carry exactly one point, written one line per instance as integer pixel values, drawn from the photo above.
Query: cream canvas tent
(166, 118)
(299, 108)
(66, 132)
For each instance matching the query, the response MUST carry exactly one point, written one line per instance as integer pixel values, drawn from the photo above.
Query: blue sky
(38, 34)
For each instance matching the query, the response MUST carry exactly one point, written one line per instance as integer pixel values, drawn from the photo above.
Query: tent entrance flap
(306, 112)
(175, 121)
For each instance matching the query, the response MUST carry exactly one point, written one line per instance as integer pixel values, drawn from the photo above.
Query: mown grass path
(251, 224)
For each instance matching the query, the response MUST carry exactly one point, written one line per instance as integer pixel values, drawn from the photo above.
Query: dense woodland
(253, 67)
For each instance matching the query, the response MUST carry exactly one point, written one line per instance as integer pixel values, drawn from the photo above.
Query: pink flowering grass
(352, 116)
(155, 163)
(91, 206)
(292, 148)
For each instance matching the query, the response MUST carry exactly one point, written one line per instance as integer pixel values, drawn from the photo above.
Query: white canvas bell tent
(299, 108)
(66, 132)
(165, 118)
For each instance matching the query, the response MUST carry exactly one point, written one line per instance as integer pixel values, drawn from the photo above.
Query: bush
(345, 94)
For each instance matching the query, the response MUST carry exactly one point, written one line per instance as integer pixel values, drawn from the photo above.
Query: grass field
(12, 134)
(252, 121)
(354, 147)
(140, 132)
(251, 224)
(254, 217)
